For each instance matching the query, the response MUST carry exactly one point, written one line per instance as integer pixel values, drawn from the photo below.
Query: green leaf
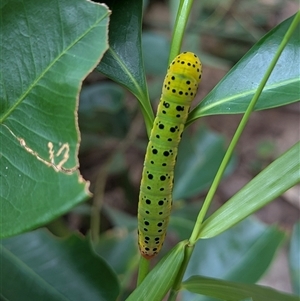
(199, 157)
(158, 282)
(103, 97)
(278, 177)
(123, 62)
(100, 106)
(48, 48)
(231, 291)
(156, 49)
(37, 266)
(119, 218)
(183, 218)
(257, 259)
(294, 259)
(243, 253)
(119, 249)
(233, 94)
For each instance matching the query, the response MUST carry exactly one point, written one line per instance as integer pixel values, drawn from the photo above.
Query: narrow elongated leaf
(47, 49)
(259, 256)
(294, 259)
(156, 50)
(231, 291)
(119, 218)
(37, 266)
(278, 177)
(123, 62)
(233, 94)
(120, 250)
(100, 106)
(157, 283)
(199, 157)
(243, 253)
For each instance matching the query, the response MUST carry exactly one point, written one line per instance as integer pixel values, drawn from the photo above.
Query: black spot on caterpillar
(155, 199)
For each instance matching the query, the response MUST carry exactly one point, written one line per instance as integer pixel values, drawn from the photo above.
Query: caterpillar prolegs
(155, 199)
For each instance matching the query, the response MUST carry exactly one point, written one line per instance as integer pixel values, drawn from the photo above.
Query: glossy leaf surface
(47, 49)
(160, 279)
(38, 266)
(199, 157)
(241, 254)
(232, 291)
(233, 94)
(274, 180)
(123, 62)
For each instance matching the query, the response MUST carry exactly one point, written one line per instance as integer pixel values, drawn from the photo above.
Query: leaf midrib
(247, 93)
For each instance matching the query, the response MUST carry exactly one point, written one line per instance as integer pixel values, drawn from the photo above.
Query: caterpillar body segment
(155, 200)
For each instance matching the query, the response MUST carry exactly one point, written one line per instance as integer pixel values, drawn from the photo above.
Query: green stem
(180, 25)
(177, 283)
(146, 111)
(197, 229)
(143, 269)
(238, 133)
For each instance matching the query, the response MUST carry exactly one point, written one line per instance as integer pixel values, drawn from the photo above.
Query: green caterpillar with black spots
(155, 199)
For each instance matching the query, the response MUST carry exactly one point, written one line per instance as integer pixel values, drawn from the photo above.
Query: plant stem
(180, 25)
(238, 133)
(197, 229)
(143, 269)
(188, 251)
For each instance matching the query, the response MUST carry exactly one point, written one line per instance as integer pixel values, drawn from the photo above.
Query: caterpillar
(155, 199)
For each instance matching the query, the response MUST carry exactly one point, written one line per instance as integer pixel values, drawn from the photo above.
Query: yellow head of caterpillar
(183, 77)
